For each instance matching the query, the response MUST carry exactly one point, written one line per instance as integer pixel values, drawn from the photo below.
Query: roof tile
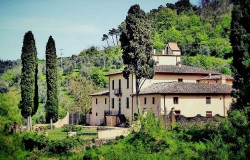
(186, 88)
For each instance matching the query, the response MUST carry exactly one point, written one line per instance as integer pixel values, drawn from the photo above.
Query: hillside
(89, 66)
(199, 33)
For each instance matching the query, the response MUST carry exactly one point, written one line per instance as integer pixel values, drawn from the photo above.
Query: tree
(80, 88)
(105, 37)
(51, 79)
(214, 8)
(29, 88)
(111, 33)
(137, 48)
(240, 40)
(117, 33)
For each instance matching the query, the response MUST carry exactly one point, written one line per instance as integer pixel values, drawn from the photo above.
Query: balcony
(118, 92)
(111, 112)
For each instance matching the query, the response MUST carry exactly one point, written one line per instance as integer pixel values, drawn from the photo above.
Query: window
(127, 102)
(177, 112)
(145, 100)
(180, 80)
(113, 84)
(96, 101)
(105, 100)
(96, 114)
(128, 83)
(208, 100)
(113, 103)
(209, 114)
(120, 84)
(176, 100)
(153, 100)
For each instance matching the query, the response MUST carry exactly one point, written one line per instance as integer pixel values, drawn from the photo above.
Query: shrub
(72, 128)
(33, 140)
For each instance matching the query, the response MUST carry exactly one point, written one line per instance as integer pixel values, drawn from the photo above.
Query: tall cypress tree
(240, 113)
(240, 40)
(137, 48)
(51, 78)
(29, 88)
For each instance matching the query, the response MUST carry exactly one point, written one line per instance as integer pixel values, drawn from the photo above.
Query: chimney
(154, 51)
(178, 64)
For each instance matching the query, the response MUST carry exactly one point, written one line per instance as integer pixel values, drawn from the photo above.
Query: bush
(33, 140)
(72, 128)
(11, 147)
(62, 146)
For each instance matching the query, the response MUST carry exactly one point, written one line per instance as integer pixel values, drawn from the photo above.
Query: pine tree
(137, 48)
(51, 78)
(240, 40)
(29, 88)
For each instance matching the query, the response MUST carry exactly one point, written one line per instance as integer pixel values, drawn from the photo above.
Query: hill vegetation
(203, 36)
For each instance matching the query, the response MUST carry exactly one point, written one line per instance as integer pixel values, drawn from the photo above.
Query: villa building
(189, 90)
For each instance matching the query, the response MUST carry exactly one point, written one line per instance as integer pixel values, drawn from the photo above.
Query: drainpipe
(224, 105)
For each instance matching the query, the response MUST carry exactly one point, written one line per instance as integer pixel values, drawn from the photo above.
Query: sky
(75, 25)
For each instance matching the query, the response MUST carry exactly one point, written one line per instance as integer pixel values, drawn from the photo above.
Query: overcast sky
(74, 25)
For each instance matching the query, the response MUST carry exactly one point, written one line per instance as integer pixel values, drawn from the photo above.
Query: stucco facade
(100, 103)
(121, 100)
(188, 105)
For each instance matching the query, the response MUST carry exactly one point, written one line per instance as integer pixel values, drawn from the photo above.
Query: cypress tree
(29, 88)
(240, 112)
(240, 40)
(137, 48)
(51, 78)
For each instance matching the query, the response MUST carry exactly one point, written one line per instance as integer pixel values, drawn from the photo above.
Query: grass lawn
(57, 134)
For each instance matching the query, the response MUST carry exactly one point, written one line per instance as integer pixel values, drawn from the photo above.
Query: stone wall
(62, 121)
(112, 133)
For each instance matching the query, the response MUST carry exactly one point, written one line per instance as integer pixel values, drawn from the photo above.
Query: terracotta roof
(177, 69)
(216, 77)
(106, 92)
(186, 88)
(182, 69)
(173, 46)
(113, 73)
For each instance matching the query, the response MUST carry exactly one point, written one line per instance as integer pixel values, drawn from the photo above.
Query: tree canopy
(29, 88)
(137, 47)
(51, 78)
(240, 39)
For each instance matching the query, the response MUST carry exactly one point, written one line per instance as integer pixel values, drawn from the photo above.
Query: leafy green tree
(80, 88)
(29, 88)
(240, 39)
(98, 77)
(51, 78)
(137, 48)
